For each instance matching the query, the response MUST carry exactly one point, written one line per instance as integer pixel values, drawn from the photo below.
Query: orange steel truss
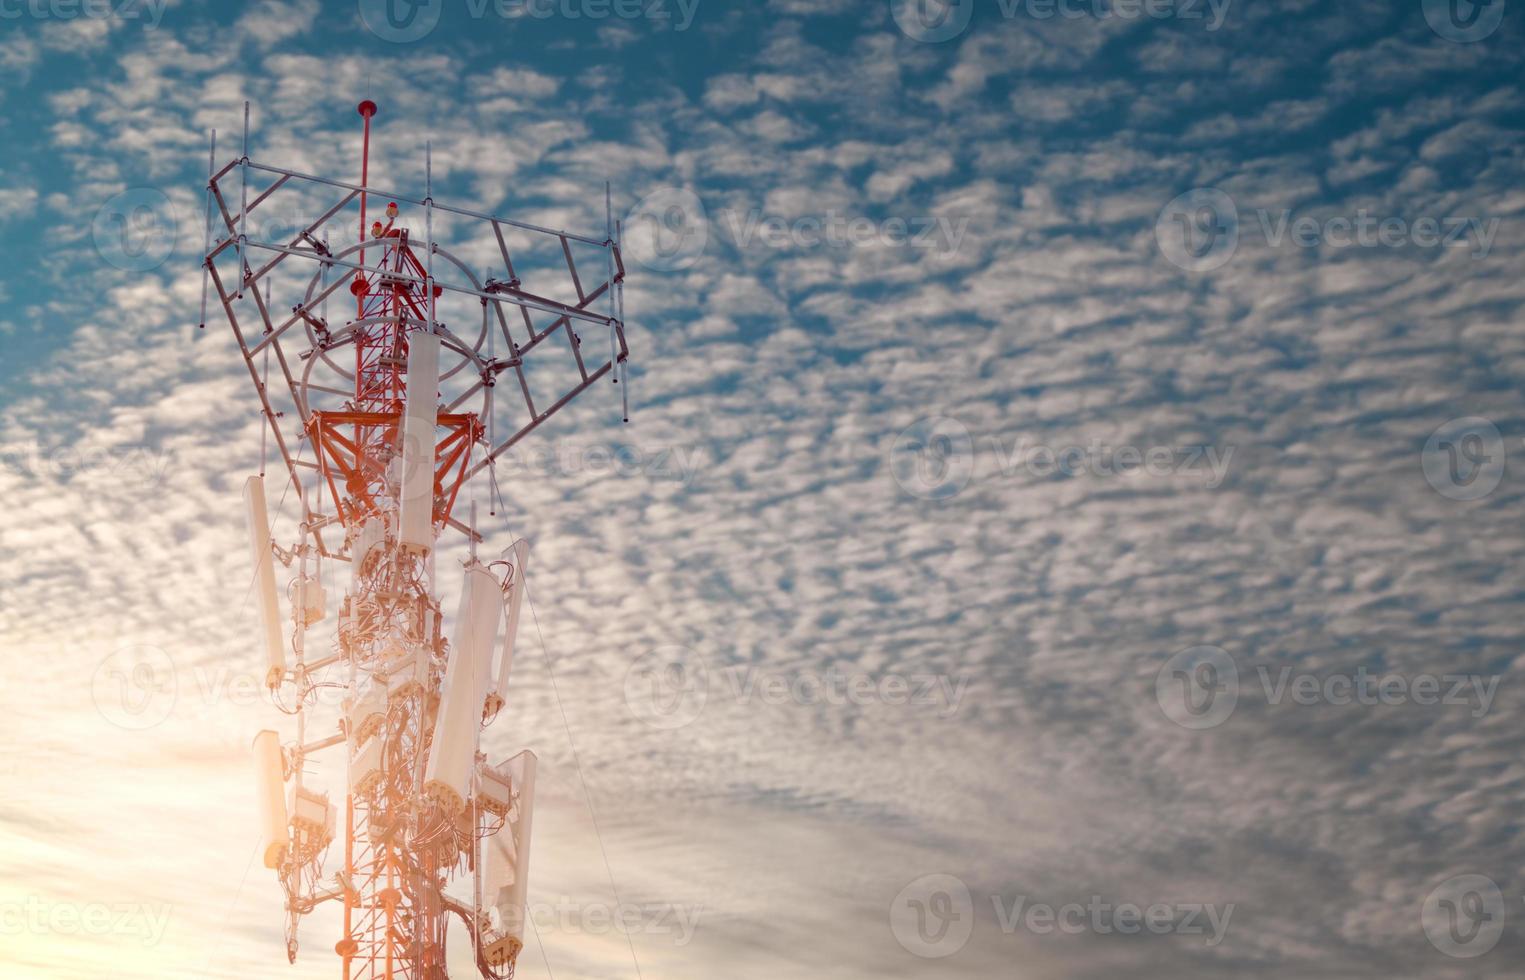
(348, 458)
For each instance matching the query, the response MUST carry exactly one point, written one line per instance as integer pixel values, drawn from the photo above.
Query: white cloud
(783, 377)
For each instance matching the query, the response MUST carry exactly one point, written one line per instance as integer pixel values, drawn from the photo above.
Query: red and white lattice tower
(381, 418)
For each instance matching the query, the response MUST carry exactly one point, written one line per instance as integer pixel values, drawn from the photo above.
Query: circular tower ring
(349, 375)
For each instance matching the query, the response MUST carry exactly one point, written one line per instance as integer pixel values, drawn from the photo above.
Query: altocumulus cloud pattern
(1068, 527)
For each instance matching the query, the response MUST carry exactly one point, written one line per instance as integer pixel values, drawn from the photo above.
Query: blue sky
(1047, 441)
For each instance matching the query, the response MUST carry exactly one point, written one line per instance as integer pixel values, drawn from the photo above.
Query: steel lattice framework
(334, 391)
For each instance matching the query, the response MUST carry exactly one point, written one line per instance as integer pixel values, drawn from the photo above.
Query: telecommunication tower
(381, 415)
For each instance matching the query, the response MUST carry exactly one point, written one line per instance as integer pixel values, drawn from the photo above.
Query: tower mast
(431, 830)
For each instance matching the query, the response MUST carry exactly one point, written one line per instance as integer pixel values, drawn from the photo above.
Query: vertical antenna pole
(264, 385)
(367, 110)
(350, 896)
(323, 284)
(614, 351)
(429, 230)
(492, 357)
(479, 852)
(243, 210)
(619, 235)
(418, 925)
(299, 640)
(492, 389)
(206, 245)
